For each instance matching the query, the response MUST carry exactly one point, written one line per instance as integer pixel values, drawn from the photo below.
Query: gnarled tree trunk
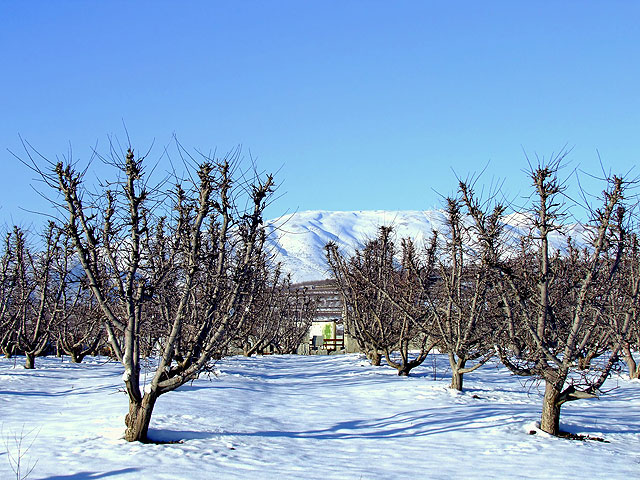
(374, 357)
(77, 357)
(457, 367)
(30, 362)
(138, 418)
(550, 421)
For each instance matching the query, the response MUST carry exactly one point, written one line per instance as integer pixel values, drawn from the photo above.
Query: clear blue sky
(362, 104)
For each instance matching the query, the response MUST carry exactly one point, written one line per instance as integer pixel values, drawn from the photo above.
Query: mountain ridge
(297, 240)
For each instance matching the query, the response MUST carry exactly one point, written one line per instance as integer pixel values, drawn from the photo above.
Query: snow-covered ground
(310, 417)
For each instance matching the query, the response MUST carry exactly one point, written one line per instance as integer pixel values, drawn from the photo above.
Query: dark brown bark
(77, 357)
(138, 418)
(30, 362)
(79, 350)
(404, 370)
(584, 363)
(9, 350)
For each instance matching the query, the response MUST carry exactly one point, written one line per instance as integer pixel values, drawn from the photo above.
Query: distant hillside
(298, 239)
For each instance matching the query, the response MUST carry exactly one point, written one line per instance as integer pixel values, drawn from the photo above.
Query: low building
(327, 333)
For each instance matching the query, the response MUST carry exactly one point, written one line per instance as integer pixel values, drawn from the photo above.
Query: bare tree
(296, 314)
(623, 309)
(80, 330)
(551, 301)
(194, 271)
(280, 316)
(258, 334)
(22, 298)
(463, 317)
(359, 310)
(42, 282)
(386, 305)
(33, 286)
(8, 283)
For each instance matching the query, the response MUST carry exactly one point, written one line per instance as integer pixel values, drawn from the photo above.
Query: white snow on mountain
(298, 239)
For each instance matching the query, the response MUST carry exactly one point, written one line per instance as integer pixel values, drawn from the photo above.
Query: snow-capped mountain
(298, 239)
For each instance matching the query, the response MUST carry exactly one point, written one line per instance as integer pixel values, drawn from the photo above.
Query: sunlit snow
(316, 417)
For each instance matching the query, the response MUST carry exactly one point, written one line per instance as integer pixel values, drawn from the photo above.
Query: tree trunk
(30, 362)
(374, 357)
(550, 422)
(456, 380)
(456, 375)
(138, 418)
(634, 370)
(77, 357)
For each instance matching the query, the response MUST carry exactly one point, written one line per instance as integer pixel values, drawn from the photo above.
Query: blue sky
(359, 105)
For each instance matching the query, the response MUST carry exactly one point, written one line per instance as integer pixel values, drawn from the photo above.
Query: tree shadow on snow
(177, 436)
(92, 475)
(406, 425)
(61, 393)
(589, 426)
(402, 425)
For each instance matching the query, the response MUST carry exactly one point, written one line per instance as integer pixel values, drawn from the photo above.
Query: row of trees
(176, 270)
(44, 304)
(561, 310)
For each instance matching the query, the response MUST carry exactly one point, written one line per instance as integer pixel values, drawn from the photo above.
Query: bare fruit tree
(623, 309)
(42, 280)
(80, 331)
(258, 335)
(360, 309)
(461, 304)
(551, 300)
(281, 316)
(387, 311)
(296, 313)
(181, 261)
(8, 284)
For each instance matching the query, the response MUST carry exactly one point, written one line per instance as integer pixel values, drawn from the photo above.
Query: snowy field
(310, 417)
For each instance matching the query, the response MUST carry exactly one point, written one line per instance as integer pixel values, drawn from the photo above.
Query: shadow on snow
(92, 475)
